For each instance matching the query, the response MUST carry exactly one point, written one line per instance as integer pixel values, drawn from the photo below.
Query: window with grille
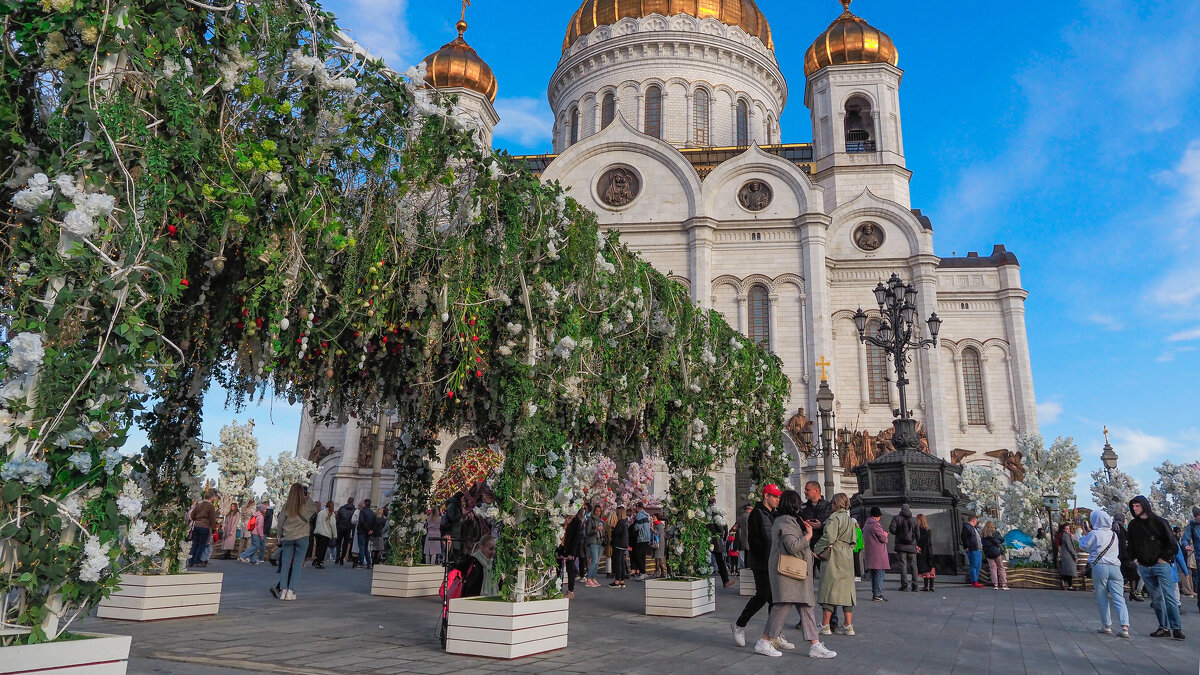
(877, 373)
(972, 367)
(608, 110)
(654, 112)
(743, 123)
(760, 315)
(574, 126)
(700, 113)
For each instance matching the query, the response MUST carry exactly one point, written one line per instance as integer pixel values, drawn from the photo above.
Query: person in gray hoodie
(1104, 555)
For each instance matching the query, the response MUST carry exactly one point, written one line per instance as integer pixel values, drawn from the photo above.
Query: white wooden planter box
(506, 630)
(746, 583)
(680, 597)
(406, 582)
(96, 655)
(163, 596)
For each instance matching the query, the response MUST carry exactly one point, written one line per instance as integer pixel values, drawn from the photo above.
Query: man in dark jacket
(904, 529)
(366, 526)
(816, 510)
(345, 530)
(758, 537)
(1153, 545)
(972, 541)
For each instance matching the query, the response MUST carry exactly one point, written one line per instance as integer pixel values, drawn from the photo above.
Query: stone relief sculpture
(868, 237)
(755, 195)
(795, 427)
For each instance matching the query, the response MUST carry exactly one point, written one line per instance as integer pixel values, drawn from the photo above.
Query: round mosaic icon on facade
(755, 195)
(618, 186)
(869, 236)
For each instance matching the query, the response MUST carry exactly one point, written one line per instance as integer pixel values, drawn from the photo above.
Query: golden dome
(457, 65)
(849, 39)
(741, 13)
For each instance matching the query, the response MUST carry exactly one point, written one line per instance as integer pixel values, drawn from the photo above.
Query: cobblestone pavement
(336, 626)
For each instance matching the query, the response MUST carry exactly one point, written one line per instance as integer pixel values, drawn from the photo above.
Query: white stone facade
(972, 393)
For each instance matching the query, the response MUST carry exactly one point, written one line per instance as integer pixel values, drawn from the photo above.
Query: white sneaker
(846, 630)
(739, 635)
(289, 594)
(766, 649)
(825, 630)
(820, 651)
(782, 643)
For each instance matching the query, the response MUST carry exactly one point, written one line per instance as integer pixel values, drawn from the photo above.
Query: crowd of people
(805, 553)
(303, 529)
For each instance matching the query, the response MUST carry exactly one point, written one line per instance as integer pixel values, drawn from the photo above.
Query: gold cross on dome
(466, 4)
(1106, 434)
(824, 364)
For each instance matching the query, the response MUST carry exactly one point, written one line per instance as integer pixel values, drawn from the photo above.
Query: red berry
(449, 394)
(479, 373)
(474, 338)
(183, 282)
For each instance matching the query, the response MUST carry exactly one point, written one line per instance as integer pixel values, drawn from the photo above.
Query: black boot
(931, 589)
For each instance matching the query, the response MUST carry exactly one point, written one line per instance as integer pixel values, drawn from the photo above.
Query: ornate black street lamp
(825, 446)
(897, 336)
(1109, 456)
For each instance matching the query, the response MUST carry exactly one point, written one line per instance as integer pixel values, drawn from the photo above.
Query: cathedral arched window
(860, 125)
(574, 126)
(877, 370)
(743, 123)
(608, 110)
(972, 371)
(770, 129)
(759, 307)
(654, 111)
(700, 116)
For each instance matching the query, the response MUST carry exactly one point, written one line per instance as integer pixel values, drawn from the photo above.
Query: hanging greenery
(233, 193)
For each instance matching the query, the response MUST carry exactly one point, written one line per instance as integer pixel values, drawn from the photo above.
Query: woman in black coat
(618, 540)
(571, 547)
(925, 566)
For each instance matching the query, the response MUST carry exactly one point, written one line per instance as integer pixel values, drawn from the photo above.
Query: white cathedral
(667, 127)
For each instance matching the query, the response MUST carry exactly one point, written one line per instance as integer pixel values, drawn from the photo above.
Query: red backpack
(452, 587)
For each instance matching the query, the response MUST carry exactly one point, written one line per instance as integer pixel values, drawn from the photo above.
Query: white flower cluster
(95, 559)
(564, 347)
(233, 67)
(25, 351)
(514, 328)
(604, 264)
(735, 343)
(552, 293)
(144, 543)
(171, 67)
(699, 429)
(708, 357)
(13, 390)
(129, 502)
(489, 512)
(661, 326)
(81, 221)
(311, 65)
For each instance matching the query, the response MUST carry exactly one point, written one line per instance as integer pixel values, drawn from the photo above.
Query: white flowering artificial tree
(1176, 491)
(237, 461)
(1112, 490)
(280, 473)
(984, 488)
(1047, 471)
(638, 485)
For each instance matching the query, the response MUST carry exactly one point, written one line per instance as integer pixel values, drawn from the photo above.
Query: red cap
(772, 489)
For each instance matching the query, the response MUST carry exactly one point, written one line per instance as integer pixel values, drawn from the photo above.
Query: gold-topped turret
(849, 40)
(457, 65)
(741, 13)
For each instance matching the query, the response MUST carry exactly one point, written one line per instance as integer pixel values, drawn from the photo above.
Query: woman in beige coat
(791, 536)
(837, 574)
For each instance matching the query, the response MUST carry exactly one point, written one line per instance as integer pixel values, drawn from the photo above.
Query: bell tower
(853, 95)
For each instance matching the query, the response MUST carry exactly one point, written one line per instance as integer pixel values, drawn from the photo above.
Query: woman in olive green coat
(837, 573)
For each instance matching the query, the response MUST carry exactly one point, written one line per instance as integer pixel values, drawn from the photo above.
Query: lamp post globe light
(1109, 456)
(898, 335)
(827, 435)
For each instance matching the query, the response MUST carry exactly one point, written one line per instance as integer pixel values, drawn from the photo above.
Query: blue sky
(1064, 130)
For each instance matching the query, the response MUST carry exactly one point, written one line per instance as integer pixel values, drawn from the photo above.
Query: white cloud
(524, 119)
(1049, 411)
(379, 25)
(1185, 335)
(1135, 447)
(1106, 321)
